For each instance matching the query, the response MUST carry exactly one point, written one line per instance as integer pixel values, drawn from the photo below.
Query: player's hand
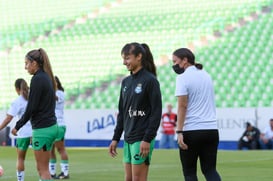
(14, 131)
(112, 150)
(180, 142)
(144, 149)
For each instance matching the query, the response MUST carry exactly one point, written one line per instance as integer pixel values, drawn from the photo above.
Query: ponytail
(47, 67)
(40, 56)
(199, 66)
(22, 86)
(59, 84)
(147, 60)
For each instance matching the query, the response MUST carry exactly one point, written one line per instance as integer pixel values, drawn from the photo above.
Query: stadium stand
(84, 39)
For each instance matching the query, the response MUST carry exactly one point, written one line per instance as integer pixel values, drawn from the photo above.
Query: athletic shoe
(62, 176)
(53, 176)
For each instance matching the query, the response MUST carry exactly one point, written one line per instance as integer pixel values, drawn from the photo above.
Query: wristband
(179, 132)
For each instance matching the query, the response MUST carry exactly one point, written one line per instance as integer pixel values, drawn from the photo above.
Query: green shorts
(43, 138)
(131, 153)
(61, 133)
(22, 143)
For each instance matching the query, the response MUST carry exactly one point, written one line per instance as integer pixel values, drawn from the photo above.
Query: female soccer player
(59, 142)
(140, 109)
(40, 109)
(17, 108)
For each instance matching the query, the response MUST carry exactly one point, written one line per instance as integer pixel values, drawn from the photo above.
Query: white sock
(65, 168)
(52, 168)
(20, 175)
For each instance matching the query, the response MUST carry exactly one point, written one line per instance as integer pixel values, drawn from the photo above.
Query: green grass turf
(94, 164)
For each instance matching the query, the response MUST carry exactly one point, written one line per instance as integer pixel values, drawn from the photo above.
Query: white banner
(90, 124)
(100, 124)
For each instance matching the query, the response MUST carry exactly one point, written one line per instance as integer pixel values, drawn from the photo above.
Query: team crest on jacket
(138, 88)
(124, 89)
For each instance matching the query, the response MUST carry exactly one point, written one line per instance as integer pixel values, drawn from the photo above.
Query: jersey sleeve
(14, 109)
(119, 127)
(180, 88)
(60, 96)
(156, 111)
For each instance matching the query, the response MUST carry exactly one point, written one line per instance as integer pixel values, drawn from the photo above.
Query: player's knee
(128, 178)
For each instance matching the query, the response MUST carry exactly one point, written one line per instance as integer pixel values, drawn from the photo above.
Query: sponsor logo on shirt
(133, 113)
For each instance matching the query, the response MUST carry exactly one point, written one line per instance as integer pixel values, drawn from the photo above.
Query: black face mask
(177, 69)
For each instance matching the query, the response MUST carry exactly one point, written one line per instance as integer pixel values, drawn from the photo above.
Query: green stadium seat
(81, 52)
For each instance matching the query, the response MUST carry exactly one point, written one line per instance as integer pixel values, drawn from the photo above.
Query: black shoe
(62, 176)
(53, 176)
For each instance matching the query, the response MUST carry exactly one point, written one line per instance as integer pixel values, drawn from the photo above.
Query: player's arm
(6, 121)
(181, 111)
(112, 149)
(119, 126)
(154, 119)
(156, 111)
(181, 115)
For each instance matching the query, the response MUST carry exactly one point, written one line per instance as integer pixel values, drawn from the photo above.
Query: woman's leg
(171, 141)
(163, 141)
(208, 155)
(128, 172)
(42, 159)
(189, 157)
(61, 149)
(22, 145)
(21, 155)
(60, 146)
(52, 162)
(140, 172)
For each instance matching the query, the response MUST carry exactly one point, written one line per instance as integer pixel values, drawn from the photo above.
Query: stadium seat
(87, 54)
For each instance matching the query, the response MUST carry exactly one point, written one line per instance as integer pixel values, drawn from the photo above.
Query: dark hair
(40, 56)
(147, 60)
(248, 124)
(186, 53)
(59, 84)
(22, 86)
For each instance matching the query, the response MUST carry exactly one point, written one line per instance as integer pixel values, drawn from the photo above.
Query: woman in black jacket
(40, 109)
(140, 109)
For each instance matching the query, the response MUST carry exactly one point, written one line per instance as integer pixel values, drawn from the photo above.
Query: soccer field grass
(94, 164)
